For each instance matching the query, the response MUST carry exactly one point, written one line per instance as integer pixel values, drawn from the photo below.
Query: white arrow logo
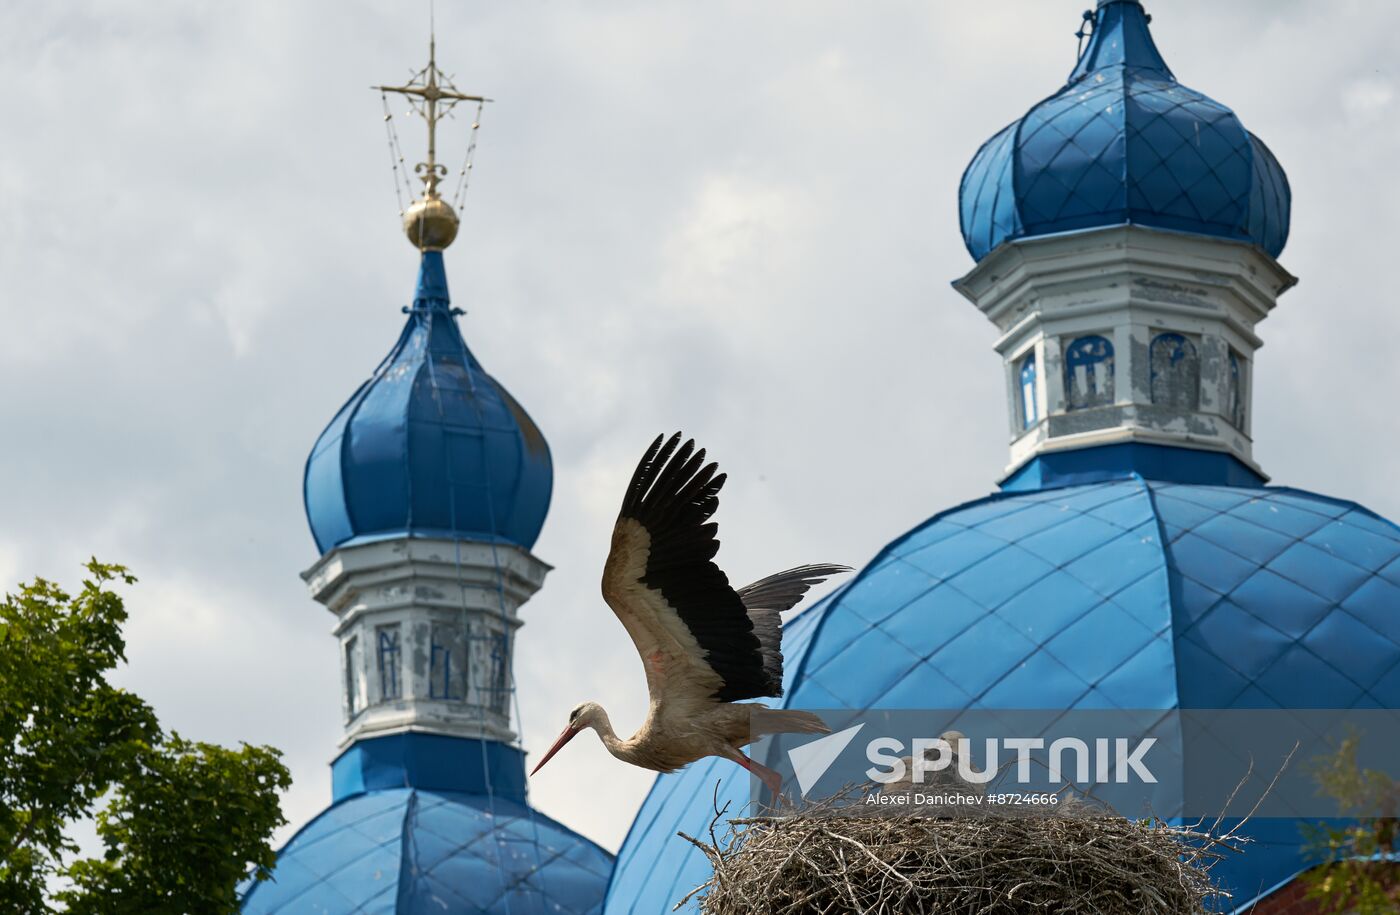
(810, 761)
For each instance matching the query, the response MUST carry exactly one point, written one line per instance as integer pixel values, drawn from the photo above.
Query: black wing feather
(782, 590)
(673, 494)
(768, 597)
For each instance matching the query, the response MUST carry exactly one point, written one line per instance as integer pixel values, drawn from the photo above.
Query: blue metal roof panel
(987, 199)
(1271, 202)
(356, 841)
(434, 762)
(323, 480)
(1311, 625)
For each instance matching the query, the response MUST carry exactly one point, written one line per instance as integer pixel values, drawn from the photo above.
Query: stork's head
(584, 715)
(952, 738)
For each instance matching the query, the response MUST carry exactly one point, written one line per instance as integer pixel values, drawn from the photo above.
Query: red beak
(564, 738)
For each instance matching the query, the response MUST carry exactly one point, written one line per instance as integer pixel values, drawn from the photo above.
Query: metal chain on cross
(459, 196)
(396, 155)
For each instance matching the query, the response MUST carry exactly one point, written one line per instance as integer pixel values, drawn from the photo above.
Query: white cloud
(1368, 98)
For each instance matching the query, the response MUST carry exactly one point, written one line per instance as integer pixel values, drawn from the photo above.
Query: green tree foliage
(1358, 874)
(182, 822)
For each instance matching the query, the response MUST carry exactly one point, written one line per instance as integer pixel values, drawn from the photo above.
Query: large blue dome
(430, 445)
(431, 825)
(1097, 588)
(1124, 142)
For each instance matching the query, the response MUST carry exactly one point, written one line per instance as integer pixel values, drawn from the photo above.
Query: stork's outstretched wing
(691, 628)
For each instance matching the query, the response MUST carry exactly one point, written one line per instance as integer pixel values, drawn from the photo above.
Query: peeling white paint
(456, 609)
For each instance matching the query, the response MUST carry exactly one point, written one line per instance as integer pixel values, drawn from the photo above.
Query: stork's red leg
(770, 778)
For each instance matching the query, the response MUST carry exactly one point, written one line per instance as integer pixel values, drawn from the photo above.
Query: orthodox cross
(432, 96)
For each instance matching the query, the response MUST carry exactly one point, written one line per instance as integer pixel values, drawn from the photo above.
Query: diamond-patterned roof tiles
(1124, 142)
(1129, 594)
(408, 850)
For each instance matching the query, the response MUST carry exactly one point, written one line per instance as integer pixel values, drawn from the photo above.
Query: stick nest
(1002, 862)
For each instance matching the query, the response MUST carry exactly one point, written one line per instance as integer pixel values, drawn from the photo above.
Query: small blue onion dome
(423, 824)
(1124, 142)
(431, 445)
(1128, 577)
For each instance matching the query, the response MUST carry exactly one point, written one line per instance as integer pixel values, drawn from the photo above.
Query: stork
(704, 645)
(946, 778)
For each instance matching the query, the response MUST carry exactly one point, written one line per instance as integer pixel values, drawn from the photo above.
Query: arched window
(447, 662)
(1029, 412)
(1176, 372)
(499, 687)
(390, 662)
(1088, 373)
(1237, 398)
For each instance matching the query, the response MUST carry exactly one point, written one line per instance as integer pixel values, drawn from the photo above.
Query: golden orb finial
(430, 223)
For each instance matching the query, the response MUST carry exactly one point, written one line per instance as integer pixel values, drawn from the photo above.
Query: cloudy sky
(736, 218)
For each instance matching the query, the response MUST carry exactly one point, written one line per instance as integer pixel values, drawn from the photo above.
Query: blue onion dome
(1124, 142)
(431, 445)
(1100, 588)
(428, 825)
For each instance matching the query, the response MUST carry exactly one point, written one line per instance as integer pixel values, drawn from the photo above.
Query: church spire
(425, 494)
(1121, 38)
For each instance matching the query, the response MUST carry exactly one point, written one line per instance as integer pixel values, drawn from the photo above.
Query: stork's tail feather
(785, 721)
(767, 598)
